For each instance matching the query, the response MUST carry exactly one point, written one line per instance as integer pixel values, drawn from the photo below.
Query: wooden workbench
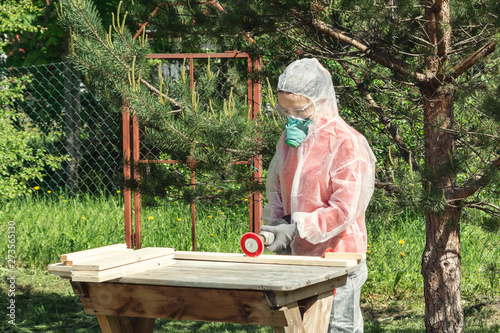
(219, 287)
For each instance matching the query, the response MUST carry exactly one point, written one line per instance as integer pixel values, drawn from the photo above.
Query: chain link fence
(75, 124)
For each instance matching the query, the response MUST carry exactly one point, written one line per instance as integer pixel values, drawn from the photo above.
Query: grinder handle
(266, 237)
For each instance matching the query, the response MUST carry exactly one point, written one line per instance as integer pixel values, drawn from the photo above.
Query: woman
(319, 182)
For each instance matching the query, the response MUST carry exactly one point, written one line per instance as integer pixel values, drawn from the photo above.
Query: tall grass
(51, 224)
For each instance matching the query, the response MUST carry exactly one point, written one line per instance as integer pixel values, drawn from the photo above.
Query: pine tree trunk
(441, 272)
(441, 257)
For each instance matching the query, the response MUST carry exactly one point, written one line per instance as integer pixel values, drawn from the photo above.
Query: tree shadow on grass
(57, 313)
(48, 312)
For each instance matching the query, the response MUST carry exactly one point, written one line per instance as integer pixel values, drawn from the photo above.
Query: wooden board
(120, 271)
(343, 255)
(232, 306)
(98, 257)
(266, 259)
(115, 261)
(233, 275)
(91, 252)
(60, 270)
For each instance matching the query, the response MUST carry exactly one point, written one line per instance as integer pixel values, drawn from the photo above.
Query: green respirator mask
(296, 130)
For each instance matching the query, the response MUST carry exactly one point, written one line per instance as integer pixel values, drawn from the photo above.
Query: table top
(236, 275)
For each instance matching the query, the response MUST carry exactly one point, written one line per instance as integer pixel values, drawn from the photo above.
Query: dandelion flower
(209, 216)
(368, 251)
(218, 191)
(402, 254)
(368, 245)
(246, 199)
(49, 192)
(222, 213)
(65, 201)
(178, 220)
(401, 241)
(83, 218)
(118, 191)
(151, 218)
(214, 189)
(36, 188)
(212, 234)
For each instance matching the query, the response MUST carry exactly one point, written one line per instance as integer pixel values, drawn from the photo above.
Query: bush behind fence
(74, 123)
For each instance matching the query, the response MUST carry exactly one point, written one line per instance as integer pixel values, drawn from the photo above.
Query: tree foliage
(209, 127)
(22, 158)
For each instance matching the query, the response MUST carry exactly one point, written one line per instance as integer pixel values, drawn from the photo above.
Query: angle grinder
(252, 244)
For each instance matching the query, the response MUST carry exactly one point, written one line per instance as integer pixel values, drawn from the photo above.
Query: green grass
(392, 301)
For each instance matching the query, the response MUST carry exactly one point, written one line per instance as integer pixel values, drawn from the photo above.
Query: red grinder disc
(251, 244)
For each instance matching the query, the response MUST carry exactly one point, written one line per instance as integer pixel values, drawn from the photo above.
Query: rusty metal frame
(132, 155)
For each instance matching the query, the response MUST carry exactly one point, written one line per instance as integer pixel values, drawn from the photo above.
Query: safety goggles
(299, 111)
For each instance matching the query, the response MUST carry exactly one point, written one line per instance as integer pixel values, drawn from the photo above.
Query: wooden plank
(265, 259)
(279, 298)
(115, 324)
(118, 272)
(317, 313)
(230, 275)
(59, 268)
(294, 321)
(216, 279)
(144, 325)
(98, 257)
(90, 252)
(342, 255)
(231, 306)
(110, 262)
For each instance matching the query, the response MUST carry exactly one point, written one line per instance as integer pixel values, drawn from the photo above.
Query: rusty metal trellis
(131, 150)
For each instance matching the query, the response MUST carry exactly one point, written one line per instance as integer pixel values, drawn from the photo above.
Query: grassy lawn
(392, 300)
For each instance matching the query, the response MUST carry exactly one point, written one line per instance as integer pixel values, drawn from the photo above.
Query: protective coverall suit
(324, 184)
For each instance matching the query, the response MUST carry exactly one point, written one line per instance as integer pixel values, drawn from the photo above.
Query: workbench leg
(293, 318)
(111, 324)
(144, 325)
(317, 313)
(116, 324)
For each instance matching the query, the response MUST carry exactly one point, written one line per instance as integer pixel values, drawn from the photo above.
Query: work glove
(283, 234)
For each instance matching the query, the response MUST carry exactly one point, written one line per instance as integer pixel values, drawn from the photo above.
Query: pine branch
(96, 35)
(388, 125)
(389, 187)
(144, 102)
(381, 58)
(472, 185)
(473, 59)
(486, 207)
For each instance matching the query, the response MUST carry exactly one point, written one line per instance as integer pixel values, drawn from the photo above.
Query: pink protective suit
(326, 183)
